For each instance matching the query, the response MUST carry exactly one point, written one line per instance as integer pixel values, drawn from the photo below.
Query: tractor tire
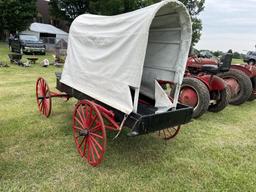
(222, 100)
(253, 95)
(244, 83)
(251, 62)
(200, 90)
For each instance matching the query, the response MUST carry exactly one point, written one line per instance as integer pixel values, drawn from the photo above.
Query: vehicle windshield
(28, 38)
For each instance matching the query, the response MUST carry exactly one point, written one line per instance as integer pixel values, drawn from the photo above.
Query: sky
(228, 24)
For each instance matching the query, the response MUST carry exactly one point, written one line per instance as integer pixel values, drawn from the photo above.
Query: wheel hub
(83, 133)
(233, 86)
(188, 96)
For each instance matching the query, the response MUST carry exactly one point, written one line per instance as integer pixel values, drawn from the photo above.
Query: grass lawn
(214, 153)
(237, 61)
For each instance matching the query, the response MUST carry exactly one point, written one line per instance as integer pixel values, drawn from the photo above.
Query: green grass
(213, 153)
(237, 61)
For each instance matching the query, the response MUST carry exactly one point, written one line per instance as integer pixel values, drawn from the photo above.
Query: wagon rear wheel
(43, 97)
(169, 133)
(89, 132)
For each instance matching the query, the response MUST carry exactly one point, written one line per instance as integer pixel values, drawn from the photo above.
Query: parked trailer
(113, 67)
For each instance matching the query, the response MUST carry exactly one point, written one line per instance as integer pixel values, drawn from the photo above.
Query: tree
(236, 55)
(195, 7)
(16, 15)
(218, 53)
(70, 9)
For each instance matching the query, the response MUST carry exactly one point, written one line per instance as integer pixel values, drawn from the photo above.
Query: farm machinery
(249, 92)
(202, 89)
(241, 79)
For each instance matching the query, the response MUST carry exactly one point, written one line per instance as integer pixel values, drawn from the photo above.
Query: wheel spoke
(43, 107)
(95, 117)
(84, 116)
(85, 143)
(46, 105)
(169, 130)
(41, 100)
(97, 143)
(82, 119)
(96, 151)
(79, 122)
(77, 128)
(94, 129)
(42, 87)
(81, 142)
(88, 152)
(92, 154)
(90, 113)
(96, 135)
(164, 133)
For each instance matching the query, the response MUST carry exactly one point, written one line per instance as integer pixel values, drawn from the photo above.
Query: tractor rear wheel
(239, 84)
(222, 99)
(194, 93)
(251, 62)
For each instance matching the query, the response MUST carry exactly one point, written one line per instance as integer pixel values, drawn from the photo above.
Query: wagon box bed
(146, 120)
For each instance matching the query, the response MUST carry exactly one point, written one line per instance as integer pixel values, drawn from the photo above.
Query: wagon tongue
(83, 133)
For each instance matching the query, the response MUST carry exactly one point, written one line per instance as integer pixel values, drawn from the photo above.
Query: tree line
(17, 15)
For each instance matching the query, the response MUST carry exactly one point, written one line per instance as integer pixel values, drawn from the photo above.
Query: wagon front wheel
(89, 132)
(169, 133)
(43, 97)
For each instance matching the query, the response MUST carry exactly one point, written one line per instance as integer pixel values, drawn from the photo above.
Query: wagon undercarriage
(92, 118)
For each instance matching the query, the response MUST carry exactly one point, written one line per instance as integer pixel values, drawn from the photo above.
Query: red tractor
(203, 89)
(241, 79)
(233, 81)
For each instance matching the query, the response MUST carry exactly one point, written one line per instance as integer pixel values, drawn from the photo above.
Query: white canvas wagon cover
(109, 55)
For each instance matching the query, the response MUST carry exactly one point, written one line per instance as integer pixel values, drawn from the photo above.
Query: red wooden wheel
(43, 97)
(169, 133)
(89, 132)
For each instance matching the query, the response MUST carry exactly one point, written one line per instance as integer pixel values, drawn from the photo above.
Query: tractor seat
(212, 69)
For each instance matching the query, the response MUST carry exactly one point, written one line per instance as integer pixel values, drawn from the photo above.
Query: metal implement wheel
(221, 99)
(43, 97)
(239, 84)
(169, 133)
(253, 95)
(89, 132)
(194, 93)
